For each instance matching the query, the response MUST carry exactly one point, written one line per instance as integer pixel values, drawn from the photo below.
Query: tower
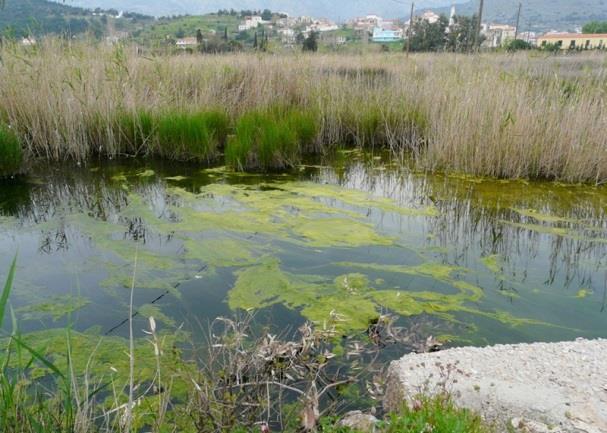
(452, 16)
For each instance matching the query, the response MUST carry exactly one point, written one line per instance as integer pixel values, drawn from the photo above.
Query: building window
(572, 45)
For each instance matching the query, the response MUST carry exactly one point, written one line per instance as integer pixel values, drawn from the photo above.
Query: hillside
(539, 15)
(21, 18)
(335, 9)
(171, 28)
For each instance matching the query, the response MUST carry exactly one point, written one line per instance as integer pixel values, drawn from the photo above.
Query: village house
(323, 25)
(367, 23)
(497, 34)
(287, 36)
(190, 42)
(574, 41)
(387, 35)
(250, 22)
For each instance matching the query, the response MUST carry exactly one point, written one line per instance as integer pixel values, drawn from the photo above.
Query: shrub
(192, 136)
(11, 155)
(518, 45)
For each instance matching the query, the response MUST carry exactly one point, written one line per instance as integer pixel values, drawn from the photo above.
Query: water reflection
(536, 250)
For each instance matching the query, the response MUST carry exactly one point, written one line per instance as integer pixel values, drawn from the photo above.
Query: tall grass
(511, 116)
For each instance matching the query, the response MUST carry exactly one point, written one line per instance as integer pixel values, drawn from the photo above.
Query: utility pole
(518, 20)
(410, 29)
(478, 26)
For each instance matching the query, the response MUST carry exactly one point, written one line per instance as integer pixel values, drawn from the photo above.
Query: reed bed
(507, 116)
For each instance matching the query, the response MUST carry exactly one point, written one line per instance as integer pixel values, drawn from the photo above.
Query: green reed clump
(272, 139)
(187, 136)
(135, 130)
(11, 155)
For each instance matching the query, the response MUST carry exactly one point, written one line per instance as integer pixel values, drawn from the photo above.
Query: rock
(521, 425)
(556, 387)
(359, 421)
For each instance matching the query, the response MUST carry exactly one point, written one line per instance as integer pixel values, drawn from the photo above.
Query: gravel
(536, 388)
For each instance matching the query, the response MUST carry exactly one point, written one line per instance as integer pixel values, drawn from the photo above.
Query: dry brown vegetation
(511, 116)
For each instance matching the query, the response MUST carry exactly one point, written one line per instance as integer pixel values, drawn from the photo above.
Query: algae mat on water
(264, 234)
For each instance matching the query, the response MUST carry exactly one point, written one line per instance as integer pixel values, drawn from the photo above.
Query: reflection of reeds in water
(485, 217)
(238, 380)
(515, 116)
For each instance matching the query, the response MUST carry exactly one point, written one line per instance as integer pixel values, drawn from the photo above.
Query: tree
(428, 36)
(594, 27)
(461, 35)
(180, 33)
(199, 37)
(518, 45)
(266, 15)
(310, 44)
(225, 34)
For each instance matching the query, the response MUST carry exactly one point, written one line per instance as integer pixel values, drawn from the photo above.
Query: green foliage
(39, 17)
(310, 44)
(11, 155)
(518, 45)
(461, 35)
(270, 139)
(428, 36)
(438, 415)
(426, 414)
(595, 27)
(551, 48)
(192, 136)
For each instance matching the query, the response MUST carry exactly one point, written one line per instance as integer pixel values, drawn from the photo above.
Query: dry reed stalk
(521, 116)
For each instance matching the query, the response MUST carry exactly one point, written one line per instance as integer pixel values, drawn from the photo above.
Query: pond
(476, 261)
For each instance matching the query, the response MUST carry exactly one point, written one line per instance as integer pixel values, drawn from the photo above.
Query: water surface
(475, 261)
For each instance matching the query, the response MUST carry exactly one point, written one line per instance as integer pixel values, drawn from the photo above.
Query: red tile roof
(574, 36)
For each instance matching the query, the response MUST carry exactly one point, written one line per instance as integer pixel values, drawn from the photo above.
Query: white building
(287, 36)
(497, 34)
(186, 43)
(250, 23)
(28, 41)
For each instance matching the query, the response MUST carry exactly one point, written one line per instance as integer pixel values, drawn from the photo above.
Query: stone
(552, 387)
(359, 421)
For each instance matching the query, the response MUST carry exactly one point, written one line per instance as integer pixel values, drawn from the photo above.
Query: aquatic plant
(136, 131)
(11, 155)
(195, 136)
(270, 139)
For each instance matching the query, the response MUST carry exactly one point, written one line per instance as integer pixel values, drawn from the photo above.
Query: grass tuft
(271, 139)
(11, 155)
(197, 136)
(135, 131)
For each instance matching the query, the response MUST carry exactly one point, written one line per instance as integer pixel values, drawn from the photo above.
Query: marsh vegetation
(344, 263)
(353, 205)
(506, 116)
